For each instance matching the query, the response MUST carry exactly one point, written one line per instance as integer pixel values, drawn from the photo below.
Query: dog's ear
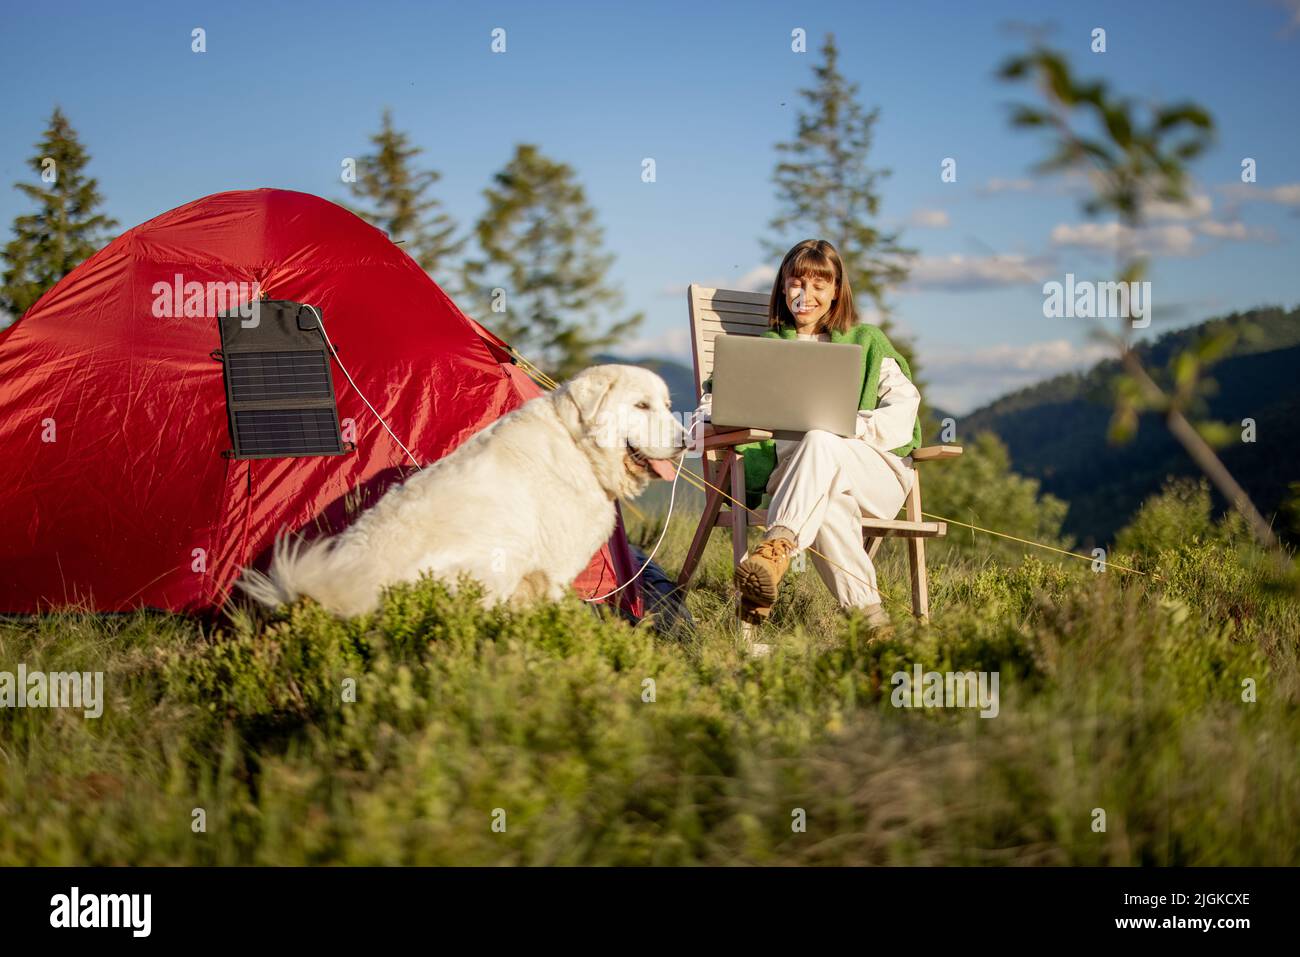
(590, 391)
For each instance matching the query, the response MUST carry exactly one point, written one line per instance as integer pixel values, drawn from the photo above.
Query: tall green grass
(1119, 693)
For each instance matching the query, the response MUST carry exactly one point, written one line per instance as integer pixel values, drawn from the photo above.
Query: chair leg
(739, 517)
(916, 555)
(708, 521)
(873, 546)
(739, 531)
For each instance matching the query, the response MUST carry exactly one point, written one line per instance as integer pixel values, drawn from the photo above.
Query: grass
(594, 742)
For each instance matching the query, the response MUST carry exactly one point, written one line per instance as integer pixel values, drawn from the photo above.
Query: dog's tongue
(666, 469)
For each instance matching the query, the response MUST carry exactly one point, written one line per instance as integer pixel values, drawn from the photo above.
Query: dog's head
(621, 418)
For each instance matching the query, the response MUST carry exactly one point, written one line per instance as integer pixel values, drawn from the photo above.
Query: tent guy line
(326, 336)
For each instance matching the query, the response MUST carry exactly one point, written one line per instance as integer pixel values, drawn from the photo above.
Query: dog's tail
(296, 569)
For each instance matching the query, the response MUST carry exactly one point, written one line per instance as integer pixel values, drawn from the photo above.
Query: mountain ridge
(1056, 430)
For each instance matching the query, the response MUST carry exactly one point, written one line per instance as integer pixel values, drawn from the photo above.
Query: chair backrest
(718, 311)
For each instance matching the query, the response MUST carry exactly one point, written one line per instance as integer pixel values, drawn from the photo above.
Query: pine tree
(826, 189)
(65, 230)
(396, 202)
(541, 282)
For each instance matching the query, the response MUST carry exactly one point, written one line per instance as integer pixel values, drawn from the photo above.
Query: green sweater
(760, 457)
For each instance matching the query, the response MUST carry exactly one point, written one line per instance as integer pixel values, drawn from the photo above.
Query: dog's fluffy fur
(522, 506)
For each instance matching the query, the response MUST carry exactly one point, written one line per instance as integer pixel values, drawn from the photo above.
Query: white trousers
(824, 485)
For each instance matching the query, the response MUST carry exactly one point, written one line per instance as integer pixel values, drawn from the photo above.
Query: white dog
(522, 506)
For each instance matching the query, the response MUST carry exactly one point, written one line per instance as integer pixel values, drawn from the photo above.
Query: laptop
(786, 386)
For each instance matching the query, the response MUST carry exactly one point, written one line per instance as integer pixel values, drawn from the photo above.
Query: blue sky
(285, 91)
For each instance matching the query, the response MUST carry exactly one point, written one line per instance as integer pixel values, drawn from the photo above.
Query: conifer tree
(540, 283)
(396, 199)
(64, 231)
(827, 190)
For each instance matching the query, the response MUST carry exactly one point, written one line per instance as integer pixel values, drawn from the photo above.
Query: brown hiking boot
(752, 614)
(759, 575)
(878, 623)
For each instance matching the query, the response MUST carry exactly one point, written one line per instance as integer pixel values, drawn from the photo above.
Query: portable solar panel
(279, 392)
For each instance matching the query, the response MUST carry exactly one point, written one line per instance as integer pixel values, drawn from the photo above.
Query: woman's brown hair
(817, 259)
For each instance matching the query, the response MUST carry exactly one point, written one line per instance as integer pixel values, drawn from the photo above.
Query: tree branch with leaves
(1132, 159)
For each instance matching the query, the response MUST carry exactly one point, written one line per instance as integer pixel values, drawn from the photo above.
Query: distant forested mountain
(1056, 430)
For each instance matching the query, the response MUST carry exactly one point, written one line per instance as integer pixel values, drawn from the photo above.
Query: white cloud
(1222, 230)
(1173, 239)
(961, 273)
(1068, 182)
(929, 219)
(1288, 194)
(757, 279)
(960, 380)
(1197, 206)
(673, 344)
(1048, 358)
(1006, 186)
(1236, 231)
(1168, 239)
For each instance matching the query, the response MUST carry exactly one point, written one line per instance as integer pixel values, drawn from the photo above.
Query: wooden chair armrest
(929, 453)
(726, 437)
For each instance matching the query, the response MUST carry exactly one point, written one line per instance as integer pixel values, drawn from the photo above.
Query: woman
(823, 484)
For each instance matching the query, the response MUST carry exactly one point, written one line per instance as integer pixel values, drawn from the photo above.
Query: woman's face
(809, 298)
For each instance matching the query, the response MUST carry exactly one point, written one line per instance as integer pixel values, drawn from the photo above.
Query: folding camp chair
(718, 311)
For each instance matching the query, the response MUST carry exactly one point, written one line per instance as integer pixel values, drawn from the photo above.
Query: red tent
(118, 482)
